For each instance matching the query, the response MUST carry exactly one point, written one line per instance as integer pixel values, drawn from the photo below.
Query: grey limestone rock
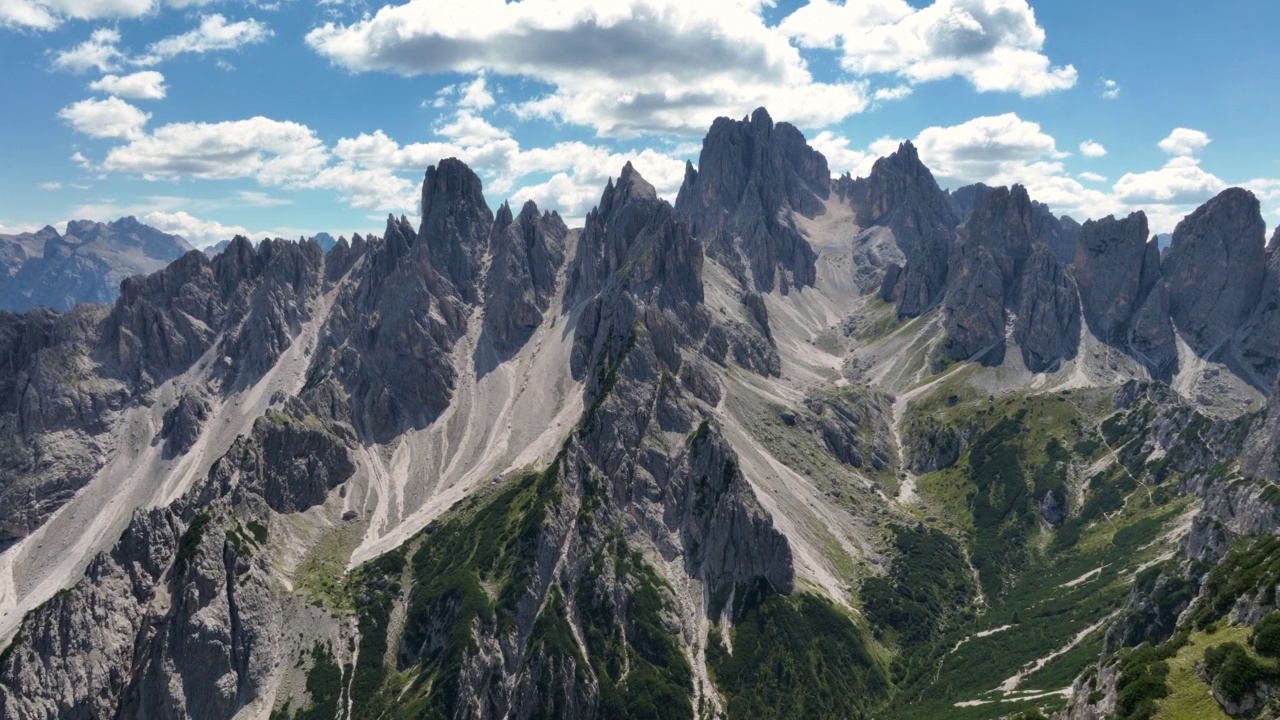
(1048, 313)
(528, 252)
(387, 341)
(183, 423)
(1059, 233)
(856, 427)
(750, 173)
(1259, 339)
(901, 194)
(1109, 268)
(974, 317)
(1215, 269)
(456, 222)
(1000, 266)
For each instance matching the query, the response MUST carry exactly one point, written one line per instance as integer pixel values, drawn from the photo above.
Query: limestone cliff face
(1123, 292)
(901, 194)
(1109, 269)
(1259, 339)
(1048, 312)
(456, 221)
(751, 174)
(1215, 269)
(387, 341)
(179, 617)
(1000, 267)
(528, 251)
(974, 310)
(255, 297)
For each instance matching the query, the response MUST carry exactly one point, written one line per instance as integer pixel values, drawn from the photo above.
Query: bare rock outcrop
(387, 340)
(527, 253)
(750, 173)
(1109, 268)
(1047, 311)
(456, 222)
(1215, 269)
(999, 266)
(901, 194)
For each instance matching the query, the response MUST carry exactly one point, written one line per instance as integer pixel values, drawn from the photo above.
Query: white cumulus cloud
(49, 14)
(198, 232)
(273, 152)
(994, 44)
(1092, 149)
(1184, 142)
(214, 33)
(623, 68)
(985, 149)
(1181, 181)
(144, 85)
(109, 118)
(99, 52)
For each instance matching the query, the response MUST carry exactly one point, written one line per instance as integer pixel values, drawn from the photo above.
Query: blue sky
(210, 117)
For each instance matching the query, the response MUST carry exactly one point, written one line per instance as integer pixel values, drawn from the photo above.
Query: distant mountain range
(87, 262)
(84, 265)
(791, 447)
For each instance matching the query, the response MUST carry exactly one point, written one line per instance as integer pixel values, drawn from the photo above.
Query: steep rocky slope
(790, 447)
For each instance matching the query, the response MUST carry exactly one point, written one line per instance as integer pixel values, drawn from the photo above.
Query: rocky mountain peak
(1003, 223)
(1215, 268)
(750, 173)
(456, 221)
(613, 229)
(630, 188)
(1109, 260)
(84, 265)
(1059, 233)
(527, 254)
(1000, 266)
(503, 219)
(901, 194)
(967, 199)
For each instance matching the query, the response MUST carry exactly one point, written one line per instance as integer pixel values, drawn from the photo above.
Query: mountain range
(86, 264)
(790, 447)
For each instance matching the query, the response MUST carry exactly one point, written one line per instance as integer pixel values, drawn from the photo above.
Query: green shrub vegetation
(1235, 672)
(1040, 586)
(796, 657)
(641, 667)
(378, 583)
(1142, 680)
(1251, 567)
(324, 688)
(1266, 635)
(927, 582)
(189, 543)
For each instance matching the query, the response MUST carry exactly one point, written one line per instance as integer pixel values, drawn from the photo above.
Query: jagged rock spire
(633, 229)
(999, 266)
(901, 194)
(456, 222)
(751, 174)
(527, 253)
